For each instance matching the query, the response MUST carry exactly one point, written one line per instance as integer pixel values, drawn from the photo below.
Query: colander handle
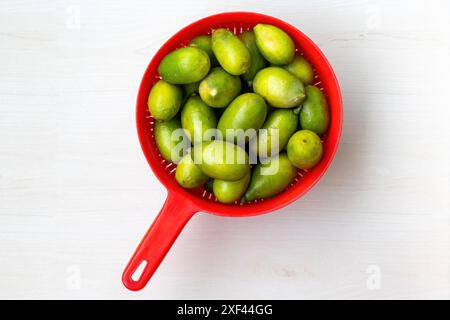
(173, 216)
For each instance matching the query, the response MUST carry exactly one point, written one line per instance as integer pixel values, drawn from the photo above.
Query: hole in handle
(139, 271)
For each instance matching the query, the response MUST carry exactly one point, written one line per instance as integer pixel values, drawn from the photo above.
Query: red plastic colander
(182, 204)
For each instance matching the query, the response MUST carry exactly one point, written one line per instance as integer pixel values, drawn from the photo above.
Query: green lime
(304, 149)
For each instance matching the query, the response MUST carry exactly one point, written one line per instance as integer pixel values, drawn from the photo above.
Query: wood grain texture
(76, 194)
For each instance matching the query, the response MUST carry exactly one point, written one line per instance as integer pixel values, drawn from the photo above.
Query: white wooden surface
(76, 194)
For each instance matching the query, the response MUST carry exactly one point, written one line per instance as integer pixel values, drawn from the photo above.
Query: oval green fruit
(204, 43)
(188, 174)
(315, 115)
(197, 118)
(221, 160)
(275, 133)
(164, 100)
(304, 149)
(274, 44)
(247, 111)
(171, 144)
(231, 52)
(230, 191)
(301, 68)
(271, 178)
(257, 61)
(219, 88)
(184, 65)
(279, 87)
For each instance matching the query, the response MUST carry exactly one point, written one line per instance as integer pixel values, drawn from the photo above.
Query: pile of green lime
(235, 98)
